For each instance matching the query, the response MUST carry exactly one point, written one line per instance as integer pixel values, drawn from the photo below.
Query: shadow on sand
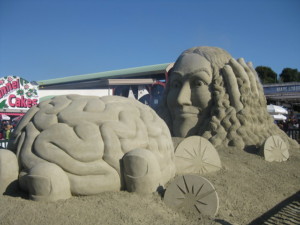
(286, 212)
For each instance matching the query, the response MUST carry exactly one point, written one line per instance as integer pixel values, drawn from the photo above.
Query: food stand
(17, 96)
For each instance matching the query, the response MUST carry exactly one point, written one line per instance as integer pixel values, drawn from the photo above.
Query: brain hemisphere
(87, 138)
(81, 134)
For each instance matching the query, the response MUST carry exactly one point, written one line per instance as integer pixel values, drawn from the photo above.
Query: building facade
(285, 94)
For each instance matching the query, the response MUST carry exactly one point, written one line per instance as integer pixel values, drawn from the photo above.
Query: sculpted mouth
(188, 111)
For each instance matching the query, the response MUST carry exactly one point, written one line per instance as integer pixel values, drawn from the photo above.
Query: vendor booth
(17, 96)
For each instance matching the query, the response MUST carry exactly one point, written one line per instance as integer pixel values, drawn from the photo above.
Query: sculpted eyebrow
(207, 78)
(201, 70)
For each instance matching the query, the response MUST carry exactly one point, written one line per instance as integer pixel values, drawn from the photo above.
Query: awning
(12, 113)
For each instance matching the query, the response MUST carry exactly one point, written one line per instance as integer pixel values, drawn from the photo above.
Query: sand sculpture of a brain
(85, 145)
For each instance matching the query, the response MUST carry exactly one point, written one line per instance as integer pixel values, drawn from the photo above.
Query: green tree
(289, 75)
(266, 74)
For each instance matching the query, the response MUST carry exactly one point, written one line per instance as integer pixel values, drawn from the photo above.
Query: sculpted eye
(198, 83)
(176, 84)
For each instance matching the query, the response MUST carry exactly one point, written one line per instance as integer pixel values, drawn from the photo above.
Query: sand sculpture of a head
(84, 145)
(215, 96)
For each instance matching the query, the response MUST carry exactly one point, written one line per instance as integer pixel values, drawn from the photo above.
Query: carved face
(189, 95)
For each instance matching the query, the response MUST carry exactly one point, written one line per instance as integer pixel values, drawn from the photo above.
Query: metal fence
(294, 133)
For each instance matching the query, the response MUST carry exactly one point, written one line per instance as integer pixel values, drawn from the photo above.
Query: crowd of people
(5, 129)
(290, 123)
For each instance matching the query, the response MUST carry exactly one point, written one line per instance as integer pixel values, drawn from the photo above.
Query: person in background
(3, 125)
(296, 123)
(8, 128)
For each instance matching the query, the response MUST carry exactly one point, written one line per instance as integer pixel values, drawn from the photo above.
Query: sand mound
(247, 185)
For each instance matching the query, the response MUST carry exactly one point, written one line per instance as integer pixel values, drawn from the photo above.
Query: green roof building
(115, 82)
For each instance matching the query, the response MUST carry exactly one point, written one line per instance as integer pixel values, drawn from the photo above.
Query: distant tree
(289, 75)
(266, 74)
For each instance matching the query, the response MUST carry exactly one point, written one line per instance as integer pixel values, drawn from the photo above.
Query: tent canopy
(275, 109)
(5, 117)
(279, 117)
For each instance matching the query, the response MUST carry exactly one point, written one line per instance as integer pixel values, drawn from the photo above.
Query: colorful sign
(17, 93)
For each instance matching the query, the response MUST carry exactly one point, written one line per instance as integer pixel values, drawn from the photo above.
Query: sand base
(247, 186)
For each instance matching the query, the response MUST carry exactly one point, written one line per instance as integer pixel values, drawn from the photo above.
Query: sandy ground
(247, 186)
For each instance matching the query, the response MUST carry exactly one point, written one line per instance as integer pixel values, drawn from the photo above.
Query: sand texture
(248, 187)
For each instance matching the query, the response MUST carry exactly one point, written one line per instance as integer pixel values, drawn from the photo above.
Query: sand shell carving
(193, 195)
(196, 154)
(275, 149)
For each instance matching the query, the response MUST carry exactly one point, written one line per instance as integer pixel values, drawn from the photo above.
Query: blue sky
(46, 39)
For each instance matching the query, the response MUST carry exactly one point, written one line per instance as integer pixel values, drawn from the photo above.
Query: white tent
(275, 109)
(130, 94)
(279, 117)
(5, 117)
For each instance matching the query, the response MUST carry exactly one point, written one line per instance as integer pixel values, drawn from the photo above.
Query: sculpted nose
(184, 96)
